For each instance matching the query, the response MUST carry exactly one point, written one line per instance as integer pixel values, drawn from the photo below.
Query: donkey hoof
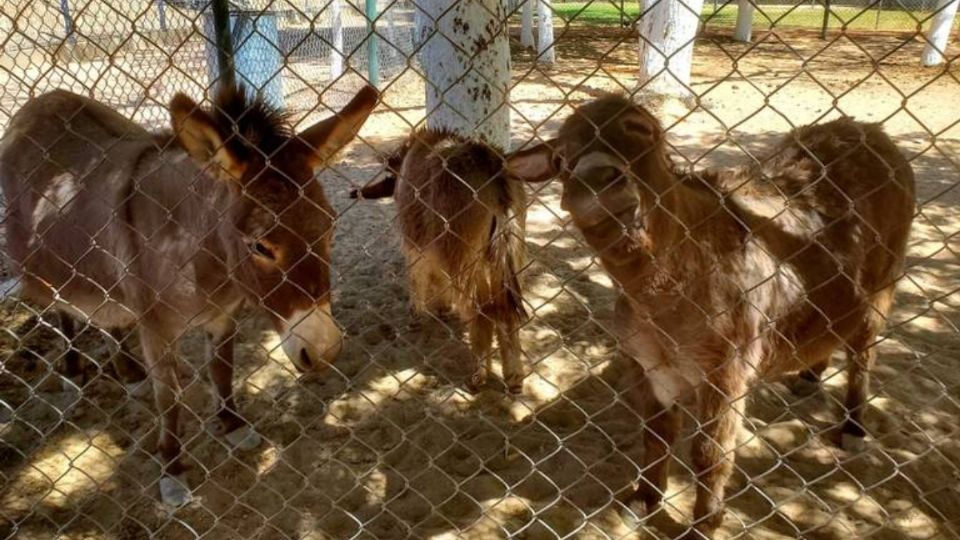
(243, 438)
(174, 491)
(854, 444)
(515, 387)
(476, 382)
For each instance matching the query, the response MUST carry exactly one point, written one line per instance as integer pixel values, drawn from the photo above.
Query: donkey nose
(311, 339)
(317, 358)
(306, 363)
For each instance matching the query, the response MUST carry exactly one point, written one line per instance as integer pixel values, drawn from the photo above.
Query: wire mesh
(392, 440)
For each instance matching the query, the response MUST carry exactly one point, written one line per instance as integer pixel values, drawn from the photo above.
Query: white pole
(546, 52)
(526, 26)
(742, 32)
(336, 30)
(939, 32)
(667, 34)
(467, 64)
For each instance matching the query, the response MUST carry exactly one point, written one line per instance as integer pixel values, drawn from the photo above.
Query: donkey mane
(248, 123)
(250, 126)
(432, 137)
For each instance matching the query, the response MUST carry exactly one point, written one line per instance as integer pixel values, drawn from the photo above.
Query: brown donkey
(118, 226)
(462, 221)
(127, 367)
(732, 276)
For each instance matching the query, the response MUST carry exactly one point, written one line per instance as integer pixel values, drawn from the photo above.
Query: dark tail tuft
(506, 252)
(379, 190)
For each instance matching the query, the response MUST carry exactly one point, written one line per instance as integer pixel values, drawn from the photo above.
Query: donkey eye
(261, 249)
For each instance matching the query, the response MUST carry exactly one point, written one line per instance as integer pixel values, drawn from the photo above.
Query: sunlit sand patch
(64, 475)
(912, 521)
(357, 405)
(277, 368)
(376, 487)
(308, 528)
(267, 460)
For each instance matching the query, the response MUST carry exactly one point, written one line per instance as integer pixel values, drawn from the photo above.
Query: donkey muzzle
(311, 338)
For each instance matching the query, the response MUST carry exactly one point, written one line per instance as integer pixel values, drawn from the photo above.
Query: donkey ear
(327, 137)
(198, 134)
(537, 164)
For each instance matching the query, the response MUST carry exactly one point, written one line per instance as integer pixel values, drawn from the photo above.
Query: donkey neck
(198, 211)
(673, 230)
(672, 210)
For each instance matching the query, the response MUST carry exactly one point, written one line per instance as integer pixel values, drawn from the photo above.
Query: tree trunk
(467, 66)
(667, 34)
(744, 27)
(336, 31)
(526, 26)
(546, 52)
(939, 32)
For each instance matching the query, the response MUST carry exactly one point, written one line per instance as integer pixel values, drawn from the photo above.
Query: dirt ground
(389, 445)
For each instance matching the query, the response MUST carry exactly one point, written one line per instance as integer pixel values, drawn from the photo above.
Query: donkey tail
(378, 190)
(506, 253)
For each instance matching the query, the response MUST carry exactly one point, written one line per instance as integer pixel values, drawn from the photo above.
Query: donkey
(171, 231)
(126, 366)
(462, 221)
(727, 277)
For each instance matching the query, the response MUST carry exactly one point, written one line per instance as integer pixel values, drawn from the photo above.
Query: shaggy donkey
(118, 226)
(462, 220)
(731, 276)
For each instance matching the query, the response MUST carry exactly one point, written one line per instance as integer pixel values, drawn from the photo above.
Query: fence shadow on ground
(387, 445)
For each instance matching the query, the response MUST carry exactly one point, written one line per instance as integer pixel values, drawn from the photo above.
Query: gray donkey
(118, 226)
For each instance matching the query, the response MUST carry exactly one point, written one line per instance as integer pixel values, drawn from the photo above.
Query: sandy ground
(388, 445)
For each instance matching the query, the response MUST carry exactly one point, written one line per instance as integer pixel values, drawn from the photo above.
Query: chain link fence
(392, 440)
(854, 15)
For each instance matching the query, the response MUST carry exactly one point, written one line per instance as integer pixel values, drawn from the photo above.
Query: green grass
(602, 12)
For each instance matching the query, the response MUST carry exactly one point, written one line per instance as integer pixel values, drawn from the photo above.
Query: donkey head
(602, 156)
(280, 219)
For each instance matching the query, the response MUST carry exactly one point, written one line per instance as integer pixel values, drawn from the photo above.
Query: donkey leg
(721, 406)
(420, 278)
(159, 354)
(508, 334)
(859, 363)
(807, 382)
(72, 378)
(661, 426)
(481, 339)
(128, 367)
(231, 426)
(861, 356)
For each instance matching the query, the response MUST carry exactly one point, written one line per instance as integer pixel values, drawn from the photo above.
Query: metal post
(876, 25)
(826, 19)
(67, 20)
(373, 62)
(162, 12)
(224, 41)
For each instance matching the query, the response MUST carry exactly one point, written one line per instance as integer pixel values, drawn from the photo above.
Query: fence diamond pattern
(391, 441)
